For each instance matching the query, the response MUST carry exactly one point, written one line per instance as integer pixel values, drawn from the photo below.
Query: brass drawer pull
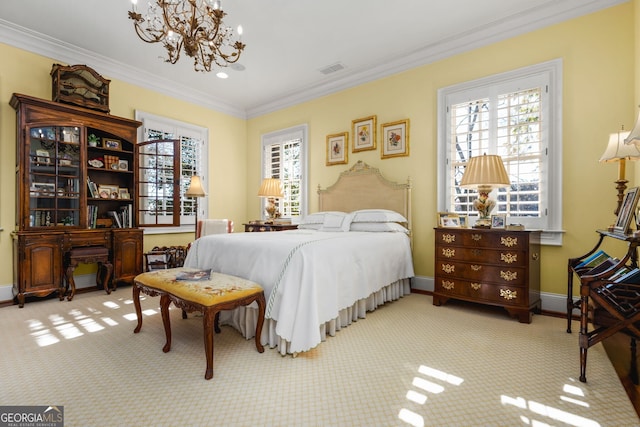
(449, 238)
(508, 275)
(475, 267)
(448, 285)
(508, 257)
(476, 237)
(476, 286)
(448, 268)
(448, 252)
(508, 294)
(509, 241)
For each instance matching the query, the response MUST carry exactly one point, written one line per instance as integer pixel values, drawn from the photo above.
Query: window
(516, 115)
(284, 157)
(169, 154)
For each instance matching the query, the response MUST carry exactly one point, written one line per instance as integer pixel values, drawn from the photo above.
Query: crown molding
(41, 44)
(551, 12)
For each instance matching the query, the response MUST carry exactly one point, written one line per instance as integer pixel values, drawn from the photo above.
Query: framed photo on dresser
(627, 210)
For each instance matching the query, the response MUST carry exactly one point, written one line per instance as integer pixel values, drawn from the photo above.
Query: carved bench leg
(166, 320)
(136, 303)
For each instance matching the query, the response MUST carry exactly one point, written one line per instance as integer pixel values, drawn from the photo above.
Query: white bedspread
(308, 276)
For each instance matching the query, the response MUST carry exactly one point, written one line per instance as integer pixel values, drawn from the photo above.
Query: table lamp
(271, 188)
(195, 190)
(619, 151)
(485, 173)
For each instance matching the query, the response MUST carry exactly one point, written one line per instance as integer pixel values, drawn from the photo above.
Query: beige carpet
(409, 363)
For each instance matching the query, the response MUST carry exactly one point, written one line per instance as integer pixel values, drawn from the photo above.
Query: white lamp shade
(195, 188)
(617, 149)
(634, 135)
(271, 187)
(486, 170)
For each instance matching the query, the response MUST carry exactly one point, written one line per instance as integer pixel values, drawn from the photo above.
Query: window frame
(279, 137)
(177, 129)
(551, 71)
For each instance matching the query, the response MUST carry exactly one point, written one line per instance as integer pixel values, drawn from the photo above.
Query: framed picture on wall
(337, 146)
(364, 134)
(395, 139)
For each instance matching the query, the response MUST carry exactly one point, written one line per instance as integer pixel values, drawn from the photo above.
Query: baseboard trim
(552, 304)
(83, 281)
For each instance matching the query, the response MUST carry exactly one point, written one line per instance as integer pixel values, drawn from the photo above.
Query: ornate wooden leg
(136, 303)
(261, 307)
(166, 320)
(207, 322)
(70, 281)
(584, 337)
(104, 276)
(108, 284)
(570, 303)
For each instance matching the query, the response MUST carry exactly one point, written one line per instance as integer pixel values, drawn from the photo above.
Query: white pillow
(378, 226)
(318, 217)
(377, 215)
(336, 221)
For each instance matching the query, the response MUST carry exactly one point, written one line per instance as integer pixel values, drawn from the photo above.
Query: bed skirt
(244, 319)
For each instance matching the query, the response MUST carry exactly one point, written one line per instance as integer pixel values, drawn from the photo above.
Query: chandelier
(193, 25)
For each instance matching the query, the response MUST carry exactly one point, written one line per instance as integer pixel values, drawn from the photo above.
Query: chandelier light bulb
(239, 30)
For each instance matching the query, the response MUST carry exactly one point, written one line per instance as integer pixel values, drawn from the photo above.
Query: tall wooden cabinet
(76, 175)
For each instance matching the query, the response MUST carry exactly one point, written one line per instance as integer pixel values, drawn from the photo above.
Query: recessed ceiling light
(222, 75)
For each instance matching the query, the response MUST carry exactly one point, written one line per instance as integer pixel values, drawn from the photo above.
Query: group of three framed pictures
(454, 220)
(395, 140)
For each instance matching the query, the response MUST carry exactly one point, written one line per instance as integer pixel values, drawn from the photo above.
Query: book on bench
(195, 275)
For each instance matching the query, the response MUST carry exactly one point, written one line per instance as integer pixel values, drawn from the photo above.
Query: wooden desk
(39, 257)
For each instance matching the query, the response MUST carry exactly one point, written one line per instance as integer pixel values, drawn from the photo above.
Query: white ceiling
(288, 42)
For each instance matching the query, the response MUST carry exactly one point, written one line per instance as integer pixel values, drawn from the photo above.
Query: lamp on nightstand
(619, 151)
(485, 173)
(271, 188)
(195, 190)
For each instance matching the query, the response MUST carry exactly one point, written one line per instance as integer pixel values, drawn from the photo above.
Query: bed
(345, 260)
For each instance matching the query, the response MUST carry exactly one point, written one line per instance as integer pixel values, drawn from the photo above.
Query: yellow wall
(599, 57)
(26, 73)
(597, 53)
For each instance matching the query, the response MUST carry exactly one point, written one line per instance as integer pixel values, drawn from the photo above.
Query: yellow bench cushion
(219, 288)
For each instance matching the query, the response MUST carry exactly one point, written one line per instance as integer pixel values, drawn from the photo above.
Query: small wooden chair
(165, 257)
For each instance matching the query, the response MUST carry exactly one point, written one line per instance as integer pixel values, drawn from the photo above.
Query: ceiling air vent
(332, 68)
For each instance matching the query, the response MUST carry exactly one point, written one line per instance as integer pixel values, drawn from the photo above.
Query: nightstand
(260, 226)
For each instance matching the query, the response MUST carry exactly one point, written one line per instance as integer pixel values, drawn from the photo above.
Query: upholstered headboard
(364, 187)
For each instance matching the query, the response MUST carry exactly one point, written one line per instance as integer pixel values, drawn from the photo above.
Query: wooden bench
(219, 292)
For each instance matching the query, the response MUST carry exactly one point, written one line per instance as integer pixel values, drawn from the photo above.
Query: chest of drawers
(495, 267)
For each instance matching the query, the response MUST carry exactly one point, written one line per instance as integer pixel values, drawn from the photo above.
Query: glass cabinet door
(54, 176)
